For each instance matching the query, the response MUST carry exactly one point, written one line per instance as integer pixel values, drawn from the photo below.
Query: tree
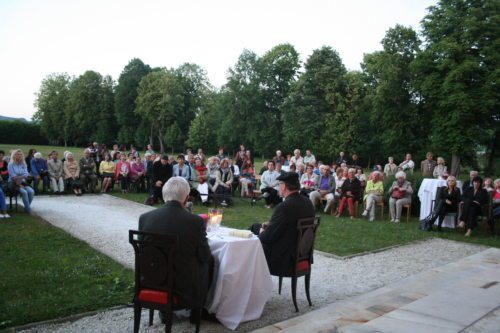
(160, 102)
(400, 123)
(277, 69)
(241, 104)
(125, 98)
(458, 75)
(51, 103)
(84, 107)
(195, 88)
(106, 126)
(312, 101)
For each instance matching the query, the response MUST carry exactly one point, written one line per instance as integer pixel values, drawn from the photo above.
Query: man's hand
(158, 183)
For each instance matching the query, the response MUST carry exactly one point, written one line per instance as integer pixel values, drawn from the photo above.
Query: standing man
(341, 159)
(221, 154)
(309, 158)
(279, 158)
(407, 164)
(279, 235)
(193, 259)
(427, 166)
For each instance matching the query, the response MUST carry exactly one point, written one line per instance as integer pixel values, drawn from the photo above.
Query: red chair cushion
(154, 296)
(303, 265)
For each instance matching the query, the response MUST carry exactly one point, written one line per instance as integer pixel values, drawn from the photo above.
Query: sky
(38, 38)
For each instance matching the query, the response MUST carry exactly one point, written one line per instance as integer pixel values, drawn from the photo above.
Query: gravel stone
(332, 279)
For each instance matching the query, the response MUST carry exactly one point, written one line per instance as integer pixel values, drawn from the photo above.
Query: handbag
(397, 194)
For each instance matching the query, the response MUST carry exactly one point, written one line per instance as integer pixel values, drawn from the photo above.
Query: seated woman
(308, 181)
(488, 184)
(473, 198)
(350, 193)
(326, 188)
(18, 172)
(400, 194)
(72, 173)
(447, 199)
(223, 182)
(247, 179)
(495, 199)
(56, 172)
(201, 184)
(373, 194)
(137, 173)
(107, 172)
(4, 172)
(122, 170)
(439, 169)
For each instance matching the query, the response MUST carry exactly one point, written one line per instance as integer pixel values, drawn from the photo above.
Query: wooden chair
(12, 194)
(154, 277)
(306, 233)
(256, 190)
(408, 211)
(378, 204)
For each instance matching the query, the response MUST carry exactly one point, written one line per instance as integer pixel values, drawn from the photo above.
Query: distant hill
(3, 118)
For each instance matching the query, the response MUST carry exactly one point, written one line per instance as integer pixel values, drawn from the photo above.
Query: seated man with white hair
(40, 172)
(193, 261)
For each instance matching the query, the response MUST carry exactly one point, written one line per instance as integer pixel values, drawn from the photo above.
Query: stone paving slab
(462, 296)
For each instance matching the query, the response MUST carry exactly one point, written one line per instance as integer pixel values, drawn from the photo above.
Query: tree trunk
(151, 135)
(491, 156)
(162, 149)
(455, 164)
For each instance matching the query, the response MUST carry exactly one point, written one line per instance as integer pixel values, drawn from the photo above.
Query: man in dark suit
(279, 235)
(193, 259)
(162, 171)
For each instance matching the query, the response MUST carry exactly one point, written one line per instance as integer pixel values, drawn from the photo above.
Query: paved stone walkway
(463, 296)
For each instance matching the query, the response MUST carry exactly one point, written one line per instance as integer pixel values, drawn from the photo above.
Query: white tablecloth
(427, 193)
(242, 283)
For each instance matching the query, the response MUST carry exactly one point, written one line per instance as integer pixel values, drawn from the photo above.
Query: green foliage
(458, 74)
(160, 102)
(312, 103)
(18, 132)
(125, 98)
(51, 103)
(400, 127)
(89, 112)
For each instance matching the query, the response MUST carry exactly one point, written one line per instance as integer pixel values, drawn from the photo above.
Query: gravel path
(332, 279)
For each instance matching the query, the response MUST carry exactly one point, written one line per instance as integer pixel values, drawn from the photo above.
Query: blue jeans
(27, 194)
(3, 206)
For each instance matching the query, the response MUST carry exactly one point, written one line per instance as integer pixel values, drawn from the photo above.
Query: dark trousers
(224, 192)
(440, 212)
(124, 182)
(470, 213)
(273, 198)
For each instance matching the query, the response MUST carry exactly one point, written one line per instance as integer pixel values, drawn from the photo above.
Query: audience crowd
(337, 186)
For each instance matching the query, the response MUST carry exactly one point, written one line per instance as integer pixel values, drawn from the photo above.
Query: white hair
(401, 174)
(175, 189)
(37, 155)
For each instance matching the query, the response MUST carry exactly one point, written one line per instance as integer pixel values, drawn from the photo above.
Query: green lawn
(342, 236)
(45, 273)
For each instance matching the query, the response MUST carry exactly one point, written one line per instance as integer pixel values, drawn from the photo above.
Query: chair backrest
(154, 260)
(306, 234)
